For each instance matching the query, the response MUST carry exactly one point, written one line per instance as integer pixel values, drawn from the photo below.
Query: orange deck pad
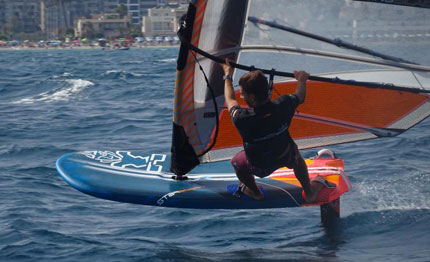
(329, 168)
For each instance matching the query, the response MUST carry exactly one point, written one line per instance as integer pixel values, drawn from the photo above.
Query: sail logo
(126, 159)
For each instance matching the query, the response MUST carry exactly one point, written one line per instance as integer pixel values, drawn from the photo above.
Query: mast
(216, 25)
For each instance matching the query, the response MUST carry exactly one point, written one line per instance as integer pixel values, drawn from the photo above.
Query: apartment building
(138, 8)
(163, 20)
(22, 15)
(54, 17)
(60, 15)
(108, 25)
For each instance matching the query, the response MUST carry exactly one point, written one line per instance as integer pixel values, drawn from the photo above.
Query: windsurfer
(266, 139)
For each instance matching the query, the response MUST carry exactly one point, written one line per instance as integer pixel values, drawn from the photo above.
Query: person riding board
(266, 139)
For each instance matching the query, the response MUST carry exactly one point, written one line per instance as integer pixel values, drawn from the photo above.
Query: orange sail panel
(333, 110)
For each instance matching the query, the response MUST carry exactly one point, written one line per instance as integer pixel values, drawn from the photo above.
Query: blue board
(140, 178)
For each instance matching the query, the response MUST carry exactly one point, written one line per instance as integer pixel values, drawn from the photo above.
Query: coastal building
(138, 8)
(107, 25)
(109, 6)
(20, 15)
(172, 2)
(58, 16)
(163, 20)
(3, 19)
(145, 5)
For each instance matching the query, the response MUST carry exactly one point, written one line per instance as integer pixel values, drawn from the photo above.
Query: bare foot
(316, 184)
(312, 195)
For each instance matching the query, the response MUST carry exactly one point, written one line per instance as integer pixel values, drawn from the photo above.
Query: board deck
(140, 178)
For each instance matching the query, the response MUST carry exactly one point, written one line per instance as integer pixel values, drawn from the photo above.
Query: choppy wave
(120, 74)
(71, 88)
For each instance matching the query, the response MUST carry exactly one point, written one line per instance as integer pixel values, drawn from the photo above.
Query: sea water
(60, 101)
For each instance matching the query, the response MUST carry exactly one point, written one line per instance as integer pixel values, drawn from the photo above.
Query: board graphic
(141, 178)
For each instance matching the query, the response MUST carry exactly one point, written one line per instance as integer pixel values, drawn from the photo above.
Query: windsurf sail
(369, 64)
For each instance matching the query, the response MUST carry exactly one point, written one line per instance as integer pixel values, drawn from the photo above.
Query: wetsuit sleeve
(288, 103)
(294, 100)
(234, 111)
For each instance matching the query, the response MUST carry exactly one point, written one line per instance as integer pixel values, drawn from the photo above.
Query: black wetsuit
(264, 131)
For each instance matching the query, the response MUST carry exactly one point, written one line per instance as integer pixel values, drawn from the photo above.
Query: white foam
(112, 72)
(168, 60)
(386, 196)
(73, 87)
(65, 74)
(121, 73)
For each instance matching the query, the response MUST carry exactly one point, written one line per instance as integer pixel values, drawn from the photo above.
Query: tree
(70, 32)
(64, 33)
(122, 10)
(122, 31)
(3, 37)
(5, 29)
(88, 30)
(135, 31)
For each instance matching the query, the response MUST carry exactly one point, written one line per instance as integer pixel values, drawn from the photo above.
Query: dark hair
(255, 82)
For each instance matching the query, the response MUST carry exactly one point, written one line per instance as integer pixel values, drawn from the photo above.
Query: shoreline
(19, 48)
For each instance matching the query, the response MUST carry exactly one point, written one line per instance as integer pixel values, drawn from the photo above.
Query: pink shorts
(242, 165)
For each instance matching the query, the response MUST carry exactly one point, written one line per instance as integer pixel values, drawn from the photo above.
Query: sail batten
(328, 55)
